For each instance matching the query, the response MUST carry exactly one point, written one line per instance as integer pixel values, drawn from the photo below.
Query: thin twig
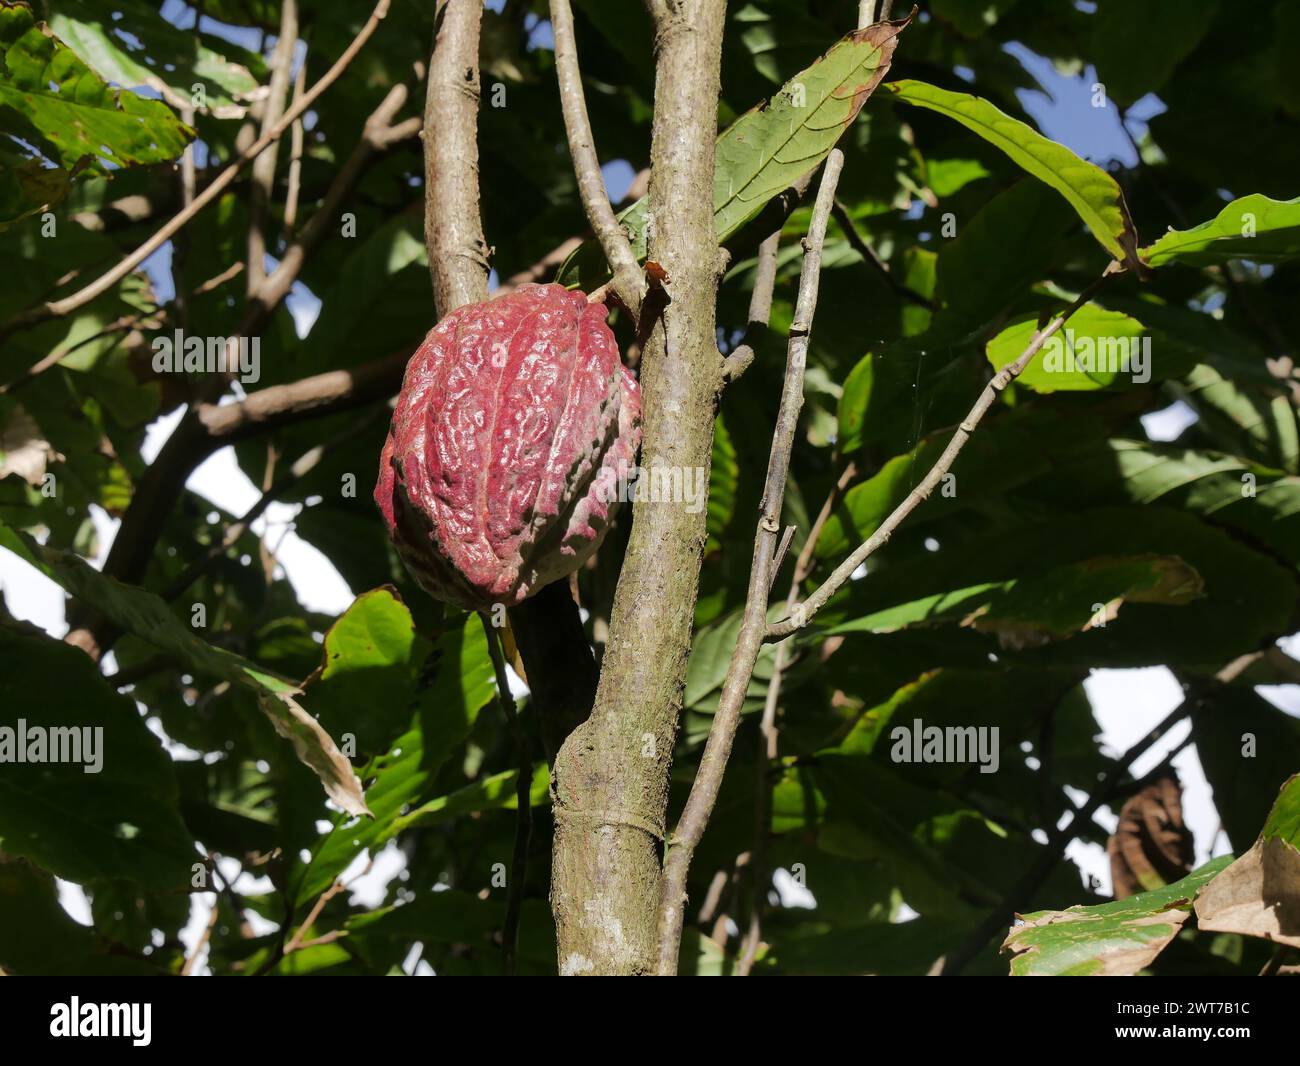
(295, 941)
(262, 177)
(523, 798)
(296, 139)
(708, 778)
(770, 734)
(797, 620)
(629, 281)
(192, 959)
(304, 465)
(860, 245)
(58, 308)
(760, 307)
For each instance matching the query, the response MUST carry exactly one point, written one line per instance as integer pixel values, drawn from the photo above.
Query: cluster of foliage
(959, 228)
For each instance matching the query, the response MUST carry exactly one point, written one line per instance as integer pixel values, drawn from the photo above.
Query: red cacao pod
(515, 423)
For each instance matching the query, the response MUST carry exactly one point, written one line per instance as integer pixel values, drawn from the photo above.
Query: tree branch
(628, 279)
(453, 230)
(106, 281)
(717, 750)
(262, 184)
(310, 397)
(193, 439)
(610, 779)
(301, 467)
(918, 495)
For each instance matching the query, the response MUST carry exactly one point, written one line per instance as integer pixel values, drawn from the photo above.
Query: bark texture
(453, 229)
(610, 780)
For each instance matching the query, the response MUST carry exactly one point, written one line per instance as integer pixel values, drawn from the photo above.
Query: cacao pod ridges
(515, 423)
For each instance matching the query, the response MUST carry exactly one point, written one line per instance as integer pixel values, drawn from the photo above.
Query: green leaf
(1025, 612)
(149, 618)
(1254, 227)
(710, 656)
(770, 147)
(1137, 46)
(1009, 245)
(28, 186)
(1009, 450)
(445, 712)
(1260, 426)
(1095, 195)
(1110, 939)
(494, 793)
(972, 18)
(370, 656)
(69, 112)
(1248, 749)
(1248, 597)
(146, 49)
(1095, 349)
(38, 938)
(1284, 819)
(107, 808)
(459, 917)
(1227, 489)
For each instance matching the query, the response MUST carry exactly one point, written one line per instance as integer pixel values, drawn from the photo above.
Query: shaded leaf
(38, 938)
(106, 806)
(1025, 612)
(149, 618)
(495, 793)
(1138, 46)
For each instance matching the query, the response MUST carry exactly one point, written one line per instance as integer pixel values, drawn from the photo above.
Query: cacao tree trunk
(610, 780)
